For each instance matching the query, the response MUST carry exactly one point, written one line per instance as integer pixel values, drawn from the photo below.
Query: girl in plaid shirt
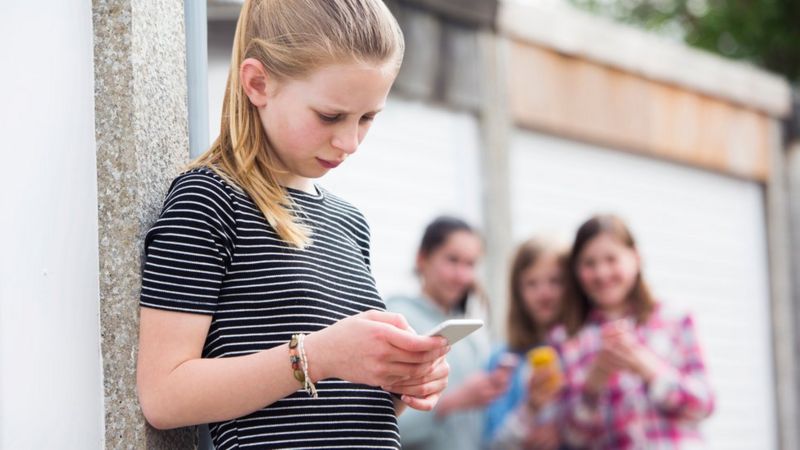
(635, 377)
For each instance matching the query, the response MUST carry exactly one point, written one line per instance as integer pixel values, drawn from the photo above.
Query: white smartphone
(455, 329)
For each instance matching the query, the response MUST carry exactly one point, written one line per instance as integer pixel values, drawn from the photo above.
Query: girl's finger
(411, 342)
(415, 381)
(404, 356)
(421, 404)
(420, 390)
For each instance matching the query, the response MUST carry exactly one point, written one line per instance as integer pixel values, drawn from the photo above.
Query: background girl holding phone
(446, 260)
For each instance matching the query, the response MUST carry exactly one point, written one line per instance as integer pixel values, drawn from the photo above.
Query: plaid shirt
(629, 413)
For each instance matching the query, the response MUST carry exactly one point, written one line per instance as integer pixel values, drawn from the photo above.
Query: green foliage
(765, 32)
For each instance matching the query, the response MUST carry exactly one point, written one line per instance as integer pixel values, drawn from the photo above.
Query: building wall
(50, 369)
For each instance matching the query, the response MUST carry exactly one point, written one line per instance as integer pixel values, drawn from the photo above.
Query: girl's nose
(346, 139)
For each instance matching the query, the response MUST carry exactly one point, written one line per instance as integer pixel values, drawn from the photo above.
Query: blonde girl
(259, 314)
(524, 416)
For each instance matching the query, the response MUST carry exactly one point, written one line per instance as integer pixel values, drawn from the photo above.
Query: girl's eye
(329, 119)
(367, 118)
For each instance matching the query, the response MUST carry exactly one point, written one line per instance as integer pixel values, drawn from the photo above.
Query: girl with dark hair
(446, 260)
(635, 376)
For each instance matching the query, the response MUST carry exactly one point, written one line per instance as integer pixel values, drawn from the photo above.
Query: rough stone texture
(141, 130)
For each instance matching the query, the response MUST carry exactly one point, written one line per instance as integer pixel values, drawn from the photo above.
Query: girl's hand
(423, 393)
(541, 389)
(477, 391)
(542, 438)
(374, 348)
(600, 372)
(629, 353)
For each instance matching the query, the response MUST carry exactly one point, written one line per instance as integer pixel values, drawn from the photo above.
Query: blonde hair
(292, 39)
(523, 331)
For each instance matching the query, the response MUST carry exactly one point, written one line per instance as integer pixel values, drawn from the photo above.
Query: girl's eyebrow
(344, 112)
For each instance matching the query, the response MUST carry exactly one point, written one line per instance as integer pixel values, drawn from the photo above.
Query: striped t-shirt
(212, 252)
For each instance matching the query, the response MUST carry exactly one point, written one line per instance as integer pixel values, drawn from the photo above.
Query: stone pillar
(141, 127)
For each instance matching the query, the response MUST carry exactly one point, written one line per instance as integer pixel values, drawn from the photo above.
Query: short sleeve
(189, 248)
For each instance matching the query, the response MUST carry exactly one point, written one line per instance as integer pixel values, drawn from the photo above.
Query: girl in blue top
(448, 254)
(522, 418)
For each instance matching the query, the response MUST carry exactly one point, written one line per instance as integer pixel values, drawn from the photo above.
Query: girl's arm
(533, 420)
(524, 429)
(179, 388)
(683, 391)
(581, 405)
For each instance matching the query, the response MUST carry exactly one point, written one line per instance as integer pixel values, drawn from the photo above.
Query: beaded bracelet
(299, 360)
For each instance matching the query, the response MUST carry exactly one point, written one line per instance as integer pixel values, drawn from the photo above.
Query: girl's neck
(297, 182)
(614, 312)
(436, 302)
(306, 185)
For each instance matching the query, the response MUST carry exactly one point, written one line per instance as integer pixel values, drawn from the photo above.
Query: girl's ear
(421, 258)
(255, 81)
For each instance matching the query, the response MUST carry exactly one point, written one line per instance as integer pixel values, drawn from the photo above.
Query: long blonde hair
(292, 39)
(523, 331)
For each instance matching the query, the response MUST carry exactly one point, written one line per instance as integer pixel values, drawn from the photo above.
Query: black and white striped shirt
(212, 252)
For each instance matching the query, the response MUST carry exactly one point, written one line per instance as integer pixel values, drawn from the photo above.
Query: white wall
(50, 369)
(703, 243)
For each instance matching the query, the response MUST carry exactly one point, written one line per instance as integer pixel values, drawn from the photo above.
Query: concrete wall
(142, 143)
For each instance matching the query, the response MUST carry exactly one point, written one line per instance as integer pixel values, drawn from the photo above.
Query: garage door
(703, 240)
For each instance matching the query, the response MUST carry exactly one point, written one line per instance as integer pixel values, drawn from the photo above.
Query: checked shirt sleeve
(684, 392)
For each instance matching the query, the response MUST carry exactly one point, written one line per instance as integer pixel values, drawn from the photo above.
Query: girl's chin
(608, 301)
(544, 320)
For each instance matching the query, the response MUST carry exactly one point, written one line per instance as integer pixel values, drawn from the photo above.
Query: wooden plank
(581, 99)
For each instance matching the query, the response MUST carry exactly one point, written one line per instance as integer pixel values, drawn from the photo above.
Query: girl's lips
(328, 164)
